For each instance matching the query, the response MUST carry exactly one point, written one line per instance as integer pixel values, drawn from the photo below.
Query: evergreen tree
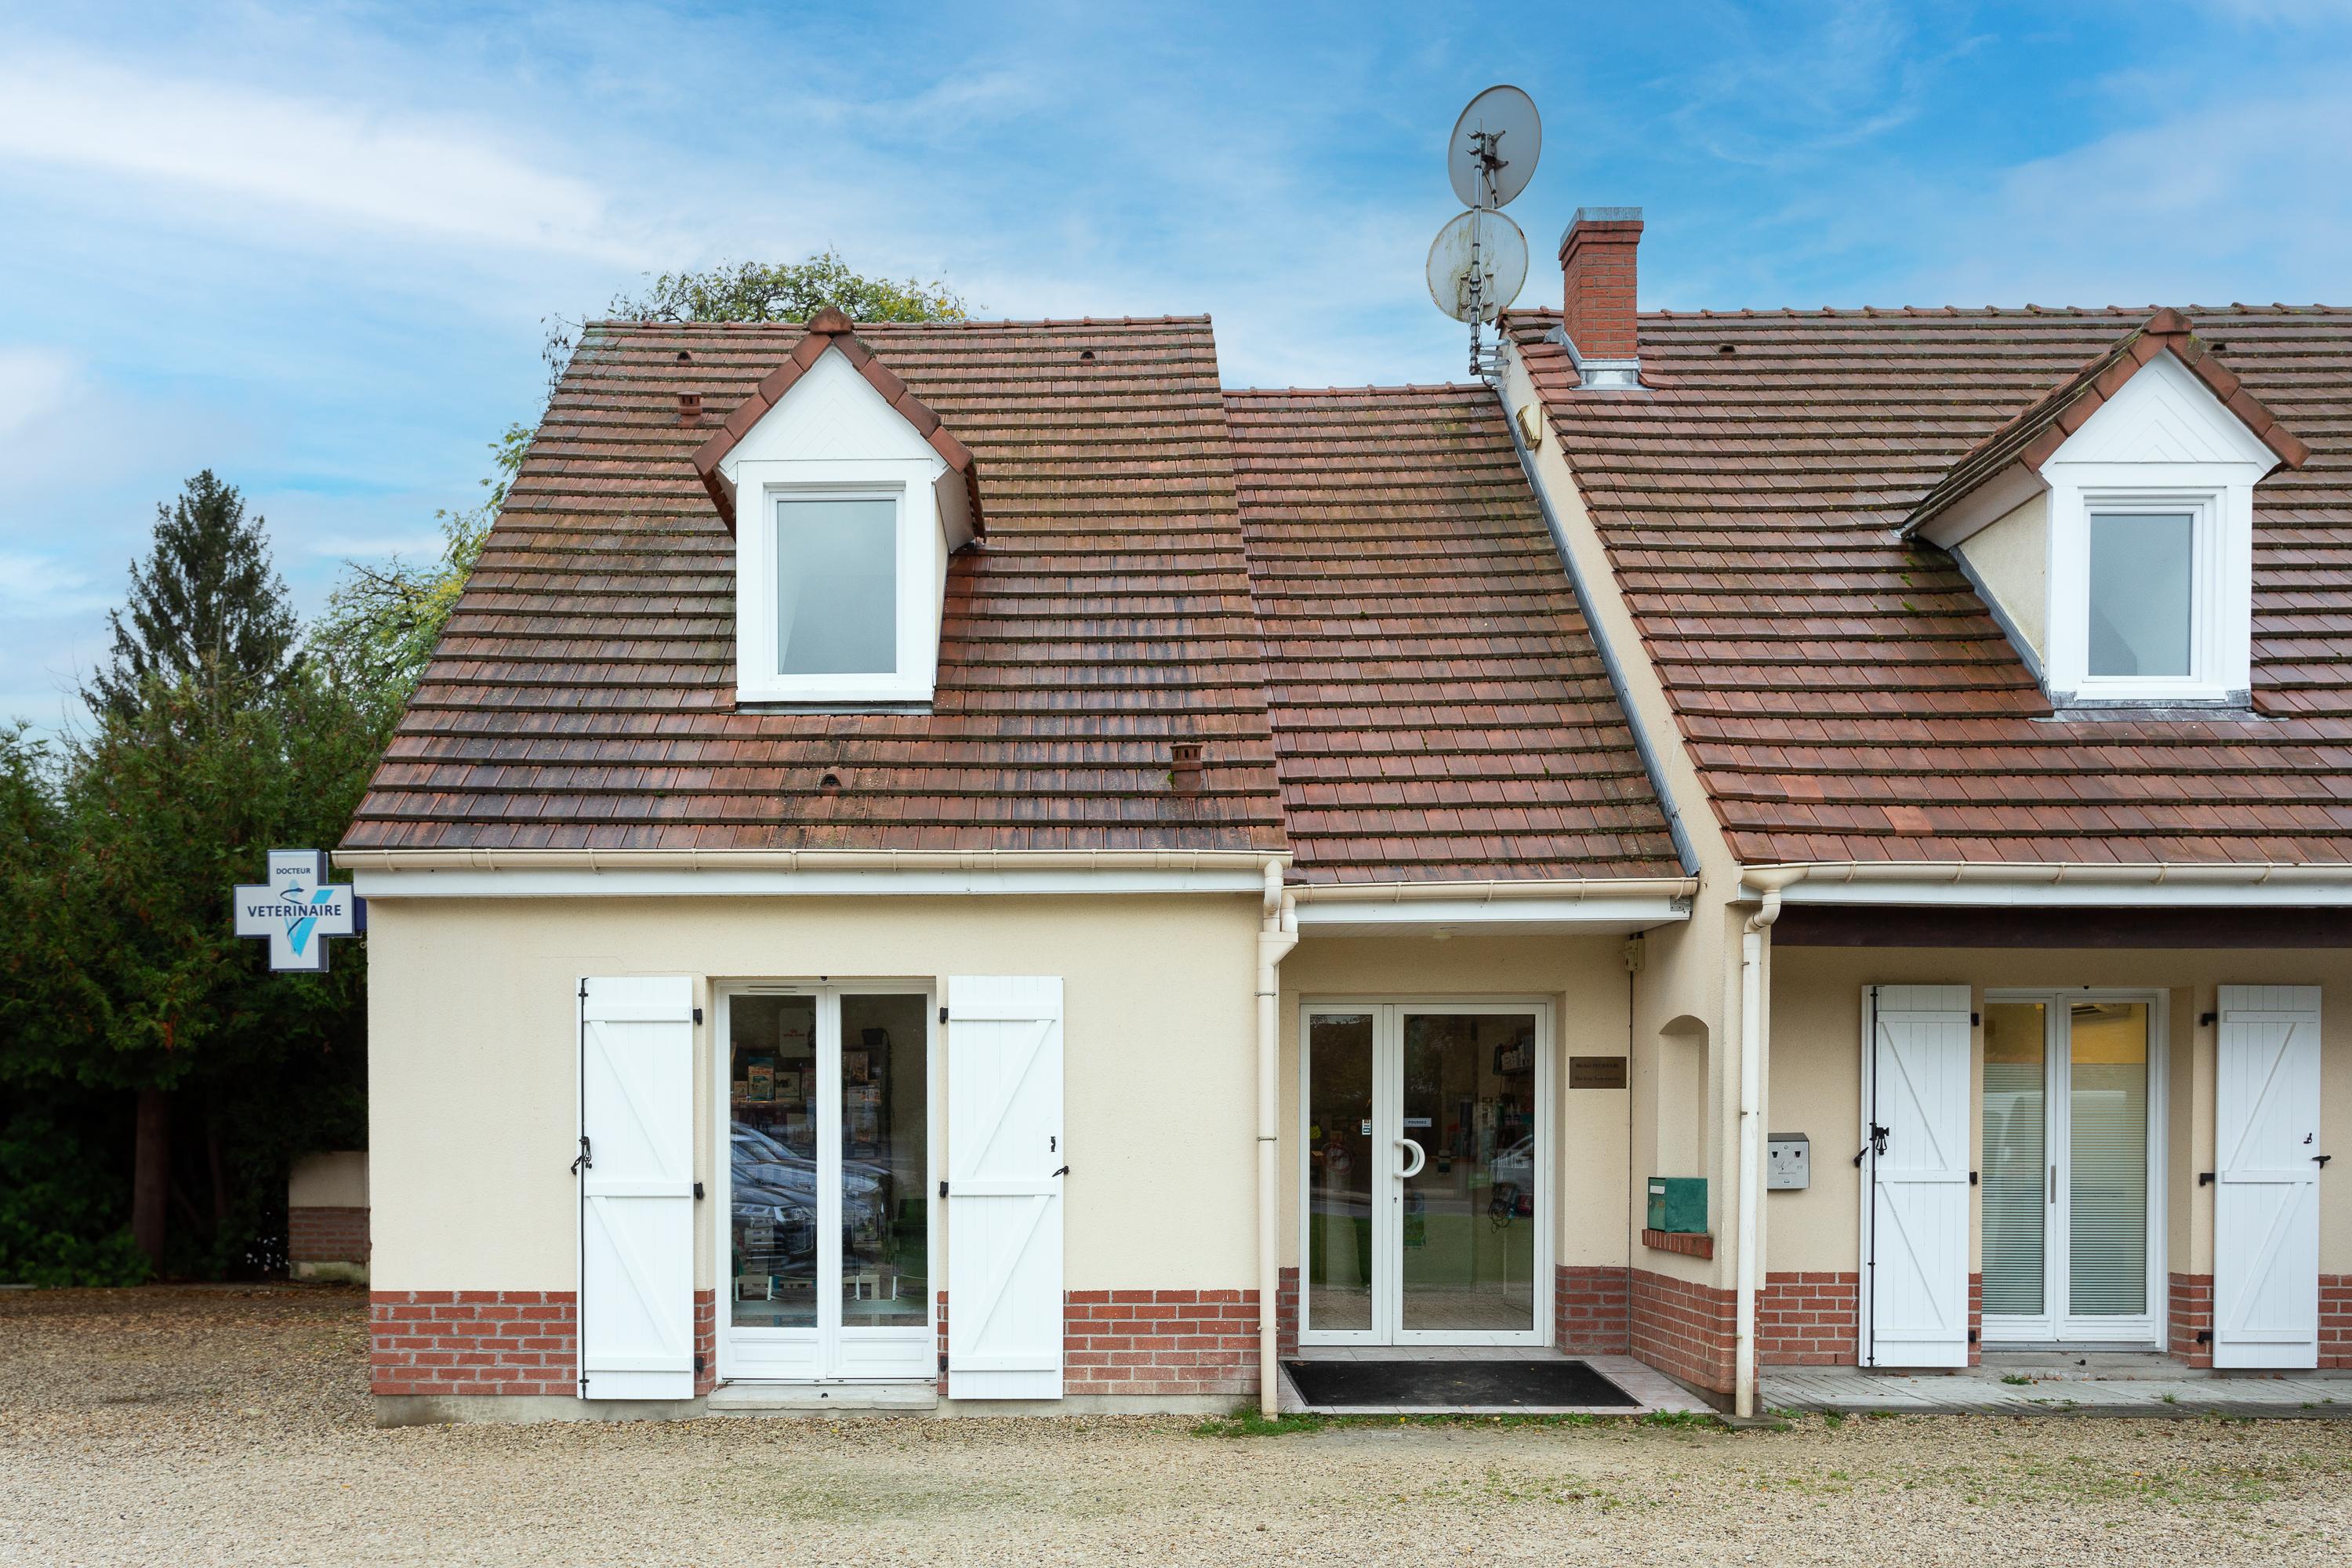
(205, 605)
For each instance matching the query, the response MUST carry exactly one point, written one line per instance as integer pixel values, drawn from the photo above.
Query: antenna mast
(1480, 259)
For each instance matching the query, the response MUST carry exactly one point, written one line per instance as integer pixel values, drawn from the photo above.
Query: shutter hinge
(943, 1014)
(697, 1015)
(584, 997)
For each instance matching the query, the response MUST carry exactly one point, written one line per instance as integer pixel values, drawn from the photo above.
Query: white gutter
(1277, 934)
(1755, 1038)
(1622, 904)
(1491, 890)
(2060, 884)
(569, 873)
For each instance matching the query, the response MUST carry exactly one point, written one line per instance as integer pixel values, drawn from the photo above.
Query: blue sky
(311, 246)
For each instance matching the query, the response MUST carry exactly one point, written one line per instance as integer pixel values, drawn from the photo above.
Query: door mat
(1445, 1384)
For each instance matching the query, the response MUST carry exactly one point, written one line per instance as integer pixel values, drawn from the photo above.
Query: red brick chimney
(1596, 266)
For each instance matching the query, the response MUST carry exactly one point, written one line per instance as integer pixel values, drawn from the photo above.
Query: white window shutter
(1005, 1153)
(2266, 1178)
(637, 1187)
(1916, 1235)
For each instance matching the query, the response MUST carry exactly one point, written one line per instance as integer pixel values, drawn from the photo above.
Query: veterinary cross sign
(298, 909)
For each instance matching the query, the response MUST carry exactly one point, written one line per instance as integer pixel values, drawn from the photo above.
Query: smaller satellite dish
(1496, 143)
(1500, 263)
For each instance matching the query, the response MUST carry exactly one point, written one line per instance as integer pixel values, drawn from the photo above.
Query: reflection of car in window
(775, 1187)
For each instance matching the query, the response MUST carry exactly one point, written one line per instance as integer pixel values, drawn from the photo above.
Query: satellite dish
(1496, 143)
(1484, 246)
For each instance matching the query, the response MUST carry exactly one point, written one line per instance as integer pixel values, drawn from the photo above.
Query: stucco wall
(473, 1050)
(2010, 556)
(1816, 1076)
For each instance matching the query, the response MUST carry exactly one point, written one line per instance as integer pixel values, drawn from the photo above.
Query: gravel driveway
(231, 1426)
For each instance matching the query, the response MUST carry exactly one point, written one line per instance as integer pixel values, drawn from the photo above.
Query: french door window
(1425, 1149)
(827, 1249)
(2069, 1215)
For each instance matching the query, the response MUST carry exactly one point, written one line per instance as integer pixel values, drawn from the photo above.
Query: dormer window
(846, 497)
(2111, 527)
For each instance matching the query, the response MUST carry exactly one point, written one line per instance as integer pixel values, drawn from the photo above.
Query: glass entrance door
(827, 1241)
(1425, 1151)
(2067, 1217)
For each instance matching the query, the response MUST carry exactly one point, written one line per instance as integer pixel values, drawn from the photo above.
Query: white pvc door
(1916, 1222)
(636, 1167)
(2266, 1178)
(1006, 1166)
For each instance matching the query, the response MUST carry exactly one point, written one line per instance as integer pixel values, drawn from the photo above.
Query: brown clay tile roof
(1843, 691)
(584, 693)
(2034, 437)
(1440, 710)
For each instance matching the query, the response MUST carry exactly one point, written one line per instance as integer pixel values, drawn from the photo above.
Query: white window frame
(2218, 639)
(918, 566)
(2056, 1323)
(1388, 1034)
(829, 1353)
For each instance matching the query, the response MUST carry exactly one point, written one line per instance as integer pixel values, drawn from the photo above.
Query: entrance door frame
(2055, 1325)
(1388, 1113)
(830, 1352)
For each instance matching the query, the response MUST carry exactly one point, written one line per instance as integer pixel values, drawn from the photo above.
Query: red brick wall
(327, 1235)
(1159, 1342)
(1285, 1312)
(1591, 1311)
(2190, 1313)
(494, 1341)
(2335, 1319)
(1684, 1330)
(1809, 1319)
(1597, 266)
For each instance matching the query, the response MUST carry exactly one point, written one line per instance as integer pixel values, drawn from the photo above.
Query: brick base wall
(494, 1341)
(327, 1235)
(1592, 1310)
(1285, 1312)
(2189, 1312)
(1159, 1342)
(2335, 1319)
(1809, 1319)
(1684, 1330)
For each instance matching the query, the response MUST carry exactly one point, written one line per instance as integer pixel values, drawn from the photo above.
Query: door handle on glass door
(1420, 1158)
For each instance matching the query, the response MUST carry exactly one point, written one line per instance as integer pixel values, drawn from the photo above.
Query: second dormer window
(836, 557)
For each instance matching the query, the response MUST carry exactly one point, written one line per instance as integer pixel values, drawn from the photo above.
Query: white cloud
(419, 175)
(35, 384)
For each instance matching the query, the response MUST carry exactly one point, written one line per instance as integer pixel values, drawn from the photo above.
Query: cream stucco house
(966, 866)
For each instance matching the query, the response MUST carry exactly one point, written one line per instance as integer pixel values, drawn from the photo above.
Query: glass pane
(1340, 1170)
(837, 587)
(2141, 566)
(1469, 1213)
(2108, 1184)
(772, 1091)
(2016, 1167)
(885, 1245)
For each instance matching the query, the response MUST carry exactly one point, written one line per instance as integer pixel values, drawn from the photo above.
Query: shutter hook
(585, 1162)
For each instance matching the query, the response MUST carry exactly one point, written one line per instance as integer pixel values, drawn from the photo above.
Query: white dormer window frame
(2218, 502)
(832, 438)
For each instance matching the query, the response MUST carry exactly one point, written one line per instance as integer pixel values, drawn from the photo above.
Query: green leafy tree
(163, 807)
(205, 605)
(383, 619)
(793, 291)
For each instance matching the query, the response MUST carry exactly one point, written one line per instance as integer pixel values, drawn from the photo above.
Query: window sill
(1690, 1244)
(879, 705)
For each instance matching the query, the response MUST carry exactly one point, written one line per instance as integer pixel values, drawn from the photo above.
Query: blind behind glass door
(2107, 1182)
(2016, 1158)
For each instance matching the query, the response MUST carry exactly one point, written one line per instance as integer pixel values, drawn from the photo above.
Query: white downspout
(1277, 934)
(1755, 1036)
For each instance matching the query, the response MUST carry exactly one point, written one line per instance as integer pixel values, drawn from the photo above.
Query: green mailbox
(1678, 1203)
